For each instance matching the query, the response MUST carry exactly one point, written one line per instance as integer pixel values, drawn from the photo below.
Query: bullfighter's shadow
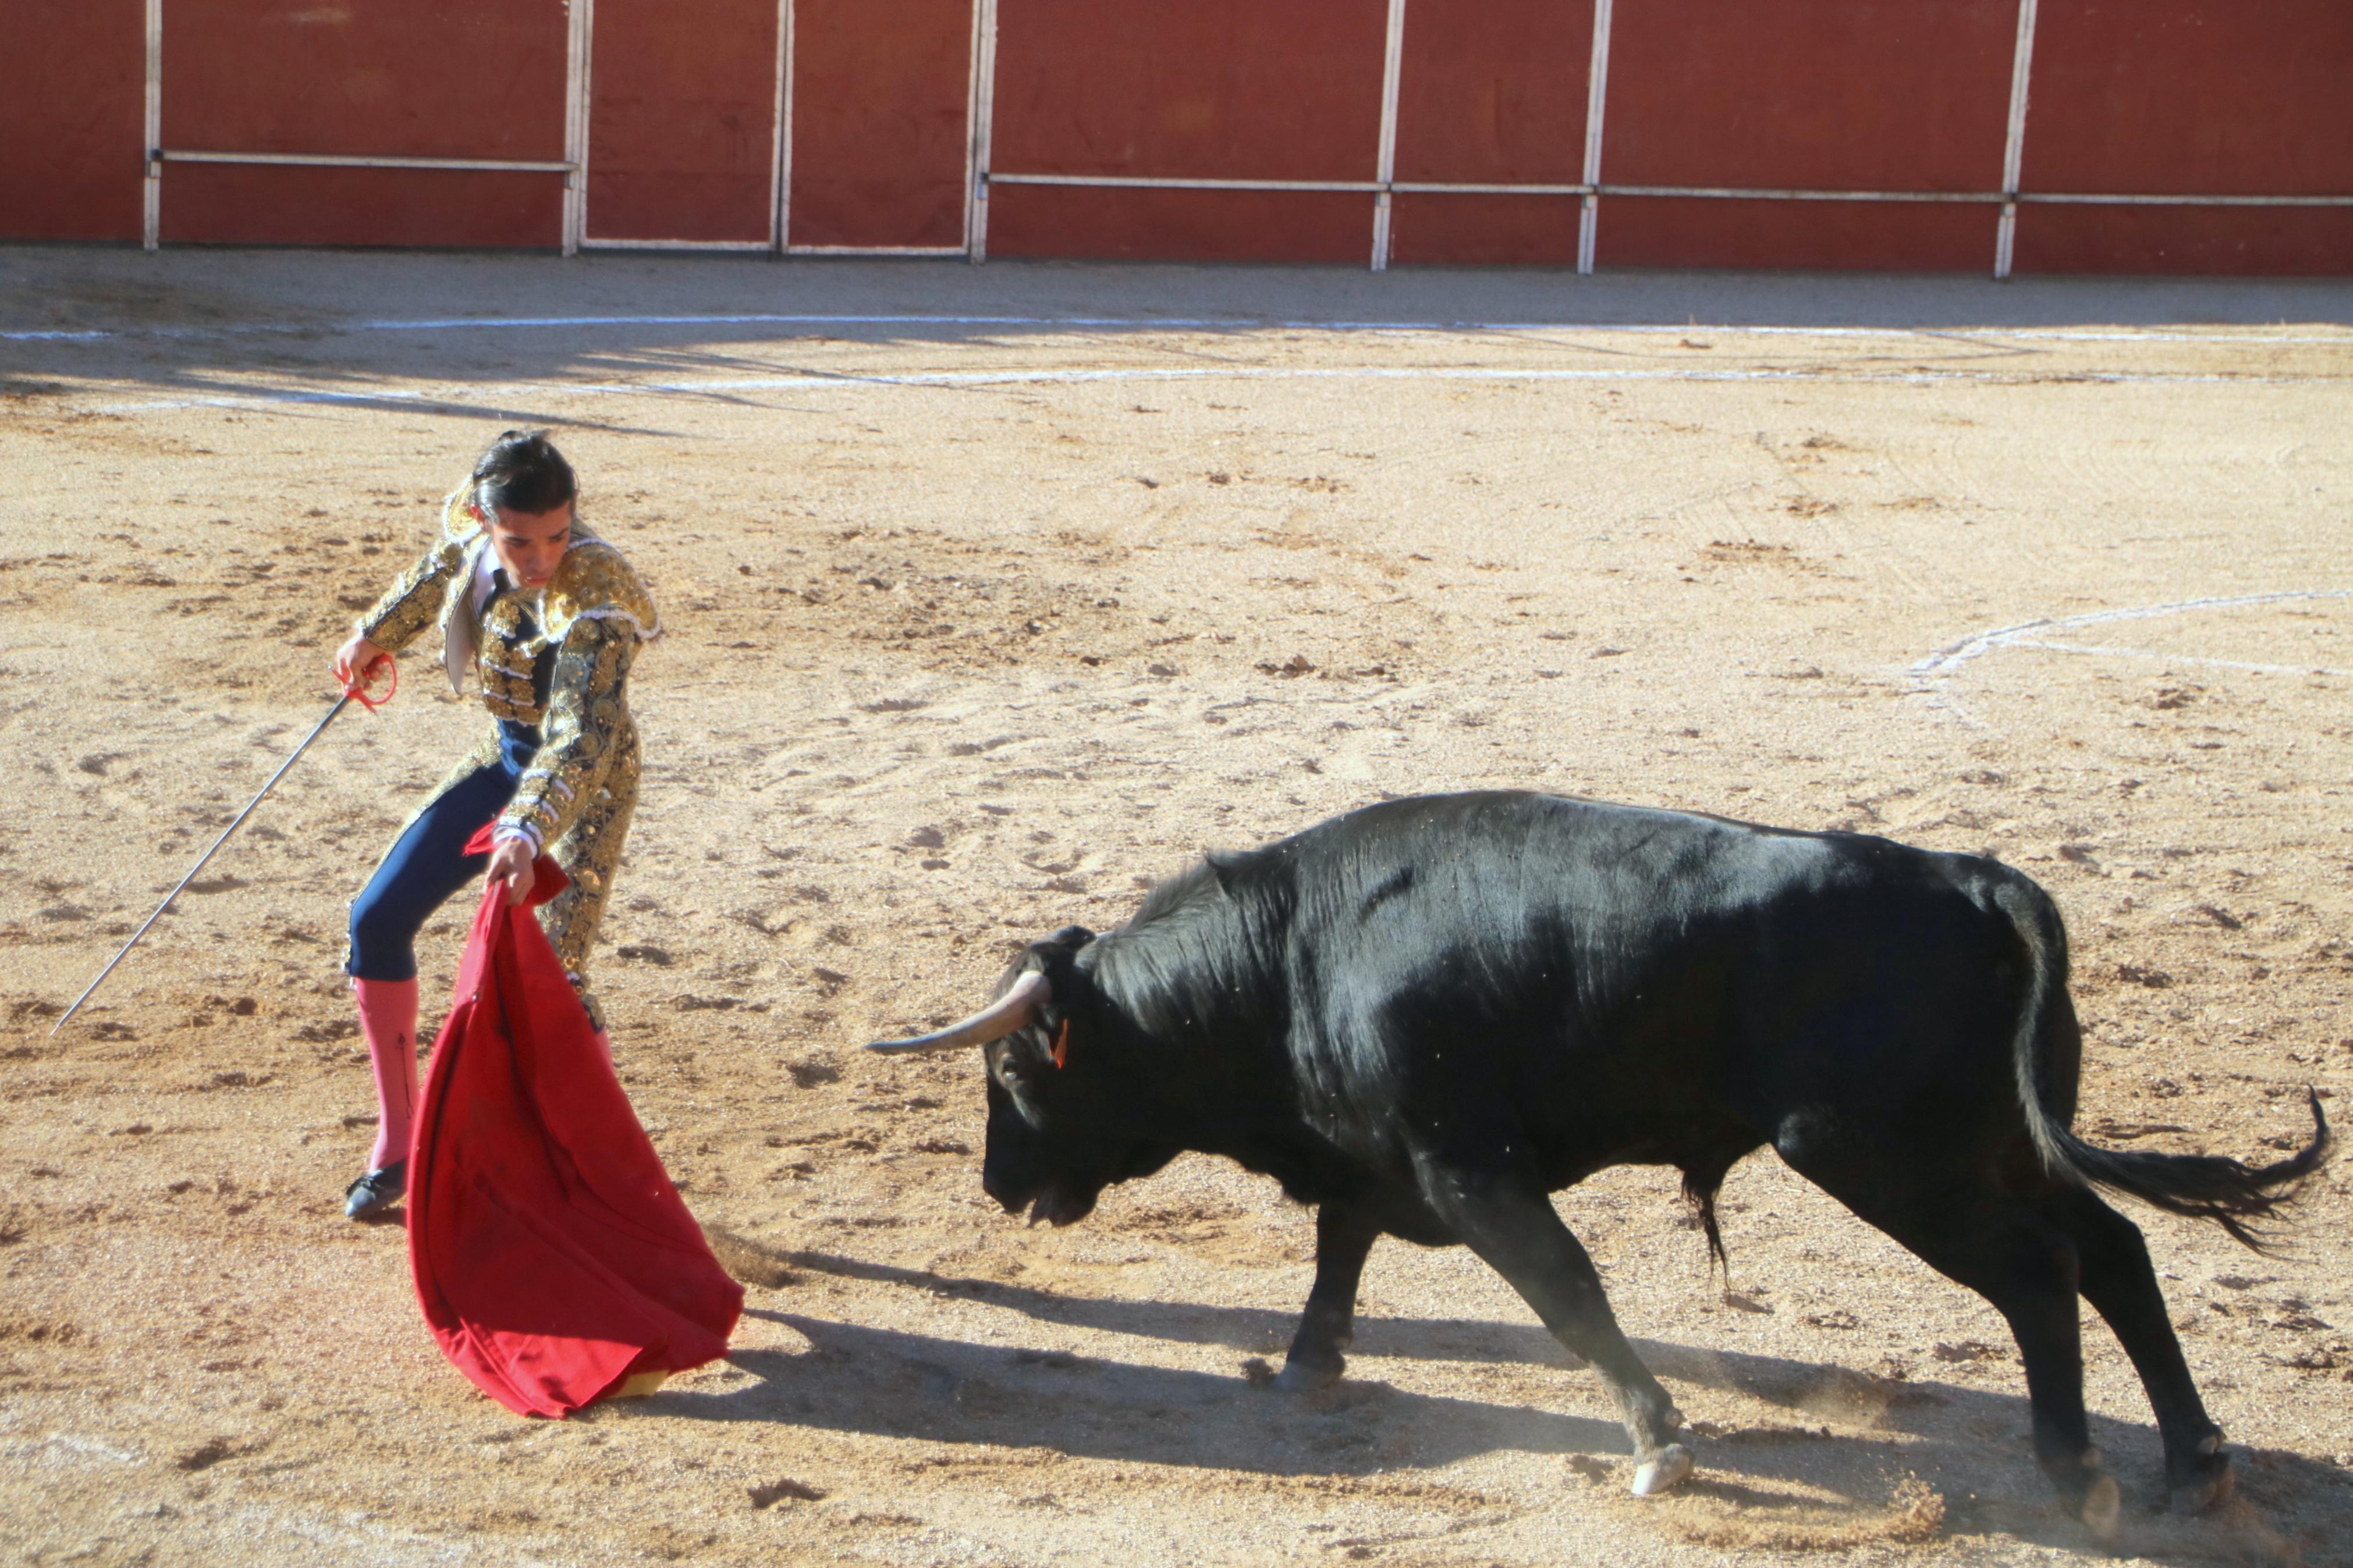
(1969, 1443)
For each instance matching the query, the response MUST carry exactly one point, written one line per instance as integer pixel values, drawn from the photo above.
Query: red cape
(552, 1255)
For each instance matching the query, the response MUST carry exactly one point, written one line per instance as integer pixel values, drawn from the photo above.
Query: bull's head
(1056, 1134)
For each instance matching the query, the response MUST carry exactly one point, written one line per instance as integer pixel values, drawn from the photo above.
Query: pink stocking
(388, 1019)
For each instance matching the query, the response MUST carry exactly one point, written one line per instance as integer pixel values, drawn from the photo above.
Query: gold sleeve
(414, 603)
(586, 707)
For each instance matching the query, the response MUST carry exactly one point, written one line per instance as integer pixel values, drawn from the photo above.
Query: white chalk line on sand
(475, 395)
(2153, 655)
(1929, 675)
(1153, 323)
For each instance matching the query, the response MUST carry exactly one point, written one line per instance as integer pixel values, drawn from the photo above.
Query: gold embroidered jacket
(591, 616)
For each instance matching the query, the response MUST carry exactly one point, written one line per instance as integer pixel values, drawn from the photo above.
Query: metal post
(980, 109)
(2021, 69)
(1385, 161)
(579, 40)
(151, 195)
(780, 172)
(1597, 95)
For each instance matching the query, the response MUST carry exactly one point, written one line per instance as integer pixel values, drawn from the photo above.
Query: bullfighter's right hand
(356, 660)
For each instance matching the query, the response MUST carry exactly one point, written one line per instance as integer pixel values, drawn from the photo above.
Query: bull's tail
(2234, 1194)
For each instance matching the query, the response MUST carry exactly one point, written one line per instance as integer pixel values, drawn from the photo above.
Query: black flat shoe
(376, 1192)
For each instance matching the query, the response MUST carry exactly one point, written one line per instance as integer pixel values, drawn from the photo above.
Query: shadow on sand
(1967, 1445)
(494, 335)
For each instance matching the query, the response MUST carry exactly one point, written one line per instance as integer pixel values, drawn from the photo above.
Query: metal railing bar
(1493, 188)
(875, 251)
(2069, 198)
(1154, 182)
(363, 161)
(590, 242)
(1703, 193)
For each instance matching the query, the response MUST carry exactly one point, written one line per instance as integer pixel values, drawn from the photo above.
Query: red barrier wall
(2195, 98)
(436, 78)
(880, 126)
(72, 114)
(683, 119)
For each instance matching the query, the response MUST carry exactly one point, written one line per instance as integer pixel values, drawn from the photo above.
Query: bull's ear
(1071, 937)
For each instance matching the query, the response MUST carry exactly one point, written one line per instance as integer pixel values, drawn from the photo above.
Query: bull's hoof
(2201, 1484)
(1303, 1376)
(1663, 1470)
(2104, 1500)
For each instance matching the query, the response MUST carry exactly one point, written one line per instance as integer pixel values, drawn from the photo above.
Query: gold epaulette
(594, 582)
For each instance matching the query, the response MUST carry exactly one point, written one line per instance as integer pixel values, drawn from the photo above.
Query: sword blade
(341, 703)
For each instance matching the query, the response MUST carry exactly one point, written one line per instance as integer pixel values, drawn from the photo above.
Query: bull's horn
(998, 1019)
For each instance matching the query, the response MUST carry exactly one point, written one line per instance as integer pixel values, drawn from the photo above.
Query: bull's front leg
(1514, 1230)
(1344, 1237)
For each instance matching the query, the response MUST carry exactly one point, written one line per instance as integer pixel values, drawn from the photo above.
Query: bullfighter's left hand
(516, 864)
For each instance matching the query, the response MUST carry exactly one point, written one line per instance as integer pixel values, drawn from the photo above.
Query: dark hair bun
(522, 472)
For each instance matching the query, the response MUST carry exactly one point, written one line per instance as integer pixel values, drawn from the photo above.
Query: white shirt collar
(486, 576)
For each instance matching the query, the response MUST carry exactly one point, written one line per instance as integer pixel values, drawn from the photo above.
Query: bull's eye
(1008, 1070)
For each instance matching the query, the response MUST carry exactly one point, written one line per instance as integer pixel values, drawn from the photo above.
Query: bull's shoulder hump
(1383, 850)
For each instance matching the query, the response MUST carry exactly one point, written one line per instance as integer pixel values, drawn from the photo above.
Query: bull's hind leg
(1343, 1238)
(2121, 1285)
(1517, 1234)
(1971, 1231)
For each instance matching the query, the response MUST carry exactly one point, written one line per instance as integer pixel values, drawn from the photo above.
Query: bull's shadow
(1970, 1445)
(888, 1383)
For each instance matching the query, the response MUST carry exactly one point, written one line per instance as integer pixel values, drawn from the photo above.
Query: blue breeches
(429, 862)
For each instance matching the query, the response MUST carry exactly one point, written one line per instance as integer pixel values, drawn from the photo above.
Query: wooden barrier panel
(1858, 95)
(250, 203)
(1208, 90)
(682, 121)
(1847, 95)
(1880, 237)
(425, 78)
(2190, 97)
(1483, 229)
(1491, 91)
(72, 114)
(1079, 221)
(433, 78)
(2187, 240)
(881, 123)
(1205, 90)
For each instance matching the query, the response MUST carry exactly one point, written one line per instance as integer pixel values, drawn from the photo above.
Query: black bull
(1427, 1016)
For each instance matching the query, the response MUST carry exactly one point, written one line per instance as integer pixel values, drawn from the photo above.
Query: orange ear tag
(1063, 1043)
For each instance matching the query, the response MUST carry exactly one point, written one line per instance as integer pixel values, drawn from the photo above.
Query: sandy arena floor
(998, 593)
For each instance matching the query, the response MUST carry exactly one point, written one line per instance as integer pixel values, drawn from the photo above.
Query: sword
(351, 694)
